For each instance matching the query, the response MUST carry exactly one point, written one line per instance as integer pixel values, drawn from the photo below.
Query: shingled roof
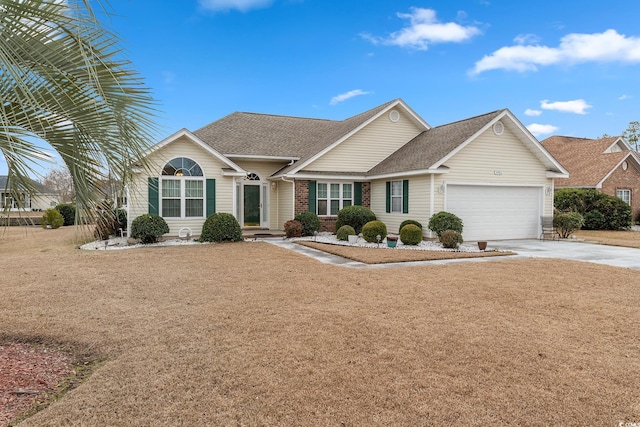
(251, 134)
(432, 145)
(587, 160)
(5, 184)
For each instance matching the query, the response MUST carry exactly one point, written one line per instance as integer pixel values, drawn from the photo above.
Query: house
(264, 169)
(606, 164)
(21, 201)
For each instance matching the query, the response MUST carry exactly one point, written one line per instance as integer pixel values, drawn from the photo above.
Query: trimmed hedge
(149, 228)
(443, 221)
(221, 227)
(310, 222)
(68, 212)
(293, 228)
(344, 232)
(52, 219)
(409, 221)
(411, 234)
(356, 216)
(451, 239)
(373, 229)
(568, 222)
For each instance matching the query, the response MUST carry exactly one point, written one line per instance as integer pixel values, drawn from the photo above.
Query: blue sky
(562, 67)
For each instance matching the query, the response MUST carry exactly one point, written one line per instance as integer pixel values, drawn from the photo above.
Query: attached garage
(496, 212)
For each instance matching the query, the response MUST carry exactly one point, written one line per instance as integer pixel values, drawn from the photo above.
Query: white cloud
(532, 113)
(608, 46)
(537, 129)
(424, 29)
(347, 95)
(241, 5)
(523, 39)
(577, 106)
(624, 96)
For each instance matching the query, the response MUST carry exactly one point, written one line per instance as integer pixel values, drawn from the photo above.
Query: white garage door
(494, 213)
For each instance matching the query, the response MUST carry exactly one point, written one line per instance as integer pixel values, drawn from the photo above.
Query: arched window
(182, 189)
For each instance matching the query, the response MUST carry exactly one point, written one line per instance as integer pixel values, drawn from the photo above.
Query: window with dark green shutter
(357, 193)
(397, 195)
(211, 196)
(312, 197)
(153, 198)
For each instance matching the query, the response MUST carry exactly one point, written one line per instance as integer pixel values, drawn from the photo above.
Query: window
(182, 189)
(625, 195)
(396, 196)
(333, 196)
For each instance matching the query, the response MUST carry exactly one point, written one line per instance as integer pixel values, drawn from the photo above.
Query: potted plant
(482, 245)
(392, 241)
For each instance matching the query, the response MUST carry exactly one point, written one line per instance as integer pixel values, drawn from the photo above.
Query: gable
(492, 158)
(370, 145)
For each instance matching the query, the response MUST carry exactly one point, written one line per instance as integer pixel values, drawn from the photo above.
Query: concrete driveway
(572, 250)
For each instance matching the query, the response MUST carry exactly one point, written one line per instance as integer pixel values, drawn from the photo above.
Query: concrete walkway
(572, 250)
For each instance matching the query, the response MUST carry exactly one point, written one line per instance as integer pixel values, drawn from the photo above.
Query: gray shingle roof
(432, 145)
(41, 188)
(278, 136)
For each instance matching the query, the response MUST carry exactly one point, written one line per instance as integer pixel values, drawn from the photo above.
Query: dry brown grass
(385, 256)
(630, 239)
(252, 334)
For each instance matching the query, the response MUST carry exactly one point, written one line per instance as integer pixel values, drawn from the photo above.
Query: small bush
(221, 227)
(52, 219)
(443, 221)
(344, 232)
(410, 221)
(373, 229)
(356, 216)
(450, 239)
(68, 212)
(568, 222)
(149, 228)
(309, 221)
(411, 234)
(293, 228)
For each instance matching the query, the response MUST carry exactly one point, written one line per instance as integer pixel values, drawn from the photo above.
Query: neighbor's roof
(4, 184)
(587, 160)
(432, 145)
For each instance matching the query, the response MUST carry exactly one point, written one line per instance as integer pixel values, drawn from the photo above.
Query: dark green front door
(251, 205)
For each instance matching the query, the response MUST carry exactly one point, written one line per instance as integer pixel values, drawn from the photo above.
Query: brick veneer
(327, 223)
(625, 180)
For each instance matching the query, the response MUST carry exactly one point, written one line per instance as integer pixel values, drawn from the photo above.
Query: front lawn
(253, 334)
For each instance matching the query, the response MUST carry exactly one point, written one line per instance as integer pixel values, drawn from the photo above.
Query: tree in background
(632, 134)
(63, 81)
(59, 180)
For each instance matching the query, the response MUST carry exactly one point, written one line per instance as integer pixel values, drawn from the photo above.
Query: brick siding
(625, 180)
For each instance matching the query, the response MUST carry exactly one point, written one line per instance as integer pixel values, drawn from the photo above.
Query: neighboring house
(606, 164)
(264, 169)
(43, 199)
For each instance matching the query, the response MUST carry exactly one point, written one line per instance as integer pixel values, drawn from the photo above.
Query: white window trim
(183, 198)
(397, 196)
(329, 198)
(624, 191)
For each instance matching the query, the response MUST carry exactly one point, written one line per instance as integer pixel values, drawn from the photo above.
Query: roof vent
(498, 128)
(394, 116)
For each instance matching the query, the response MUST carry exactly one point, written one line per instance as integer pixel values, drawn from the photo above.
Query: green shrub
(310, 222)
(356, 216)
(68, 212)
(411, 234)
(149, 228)
(293, 228)
(568, 222)
(450, 239)
(410, 221)
(443, 221)
(373, 229)
(52, 219)
(344, 232)
(600, 211)
(221, 227)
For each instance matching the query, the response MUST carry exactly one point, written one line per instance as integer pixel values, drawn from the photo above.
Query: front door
(252, 205)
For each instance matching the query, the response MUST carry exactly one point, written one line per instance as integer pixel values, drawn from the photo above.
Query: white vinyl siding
(419, 204)
(369, 146)
(211, 168)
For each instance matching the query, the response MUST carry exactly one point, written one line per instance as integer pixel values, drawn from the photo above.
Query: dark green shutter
(153, 196)
(405, 196)
(211, 196)
(312, 197)
(388, 196)
(357, 193)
